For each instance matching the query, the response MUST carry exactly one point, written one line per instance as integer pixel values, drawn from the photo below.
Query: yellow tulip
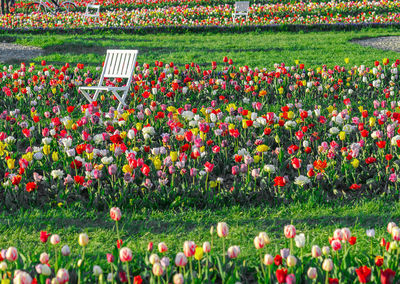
(54, 156)
(127, 169)
(213, 184)
(157, 163)
(290, 114)
(139, 126)
(342, 135)
(11, 163)
(372, 121)
(46, 149)
(90, 156)
(355, 163)
(198, 255)
(262, 148)
(174, 156)
(257, 158)
(346, 60)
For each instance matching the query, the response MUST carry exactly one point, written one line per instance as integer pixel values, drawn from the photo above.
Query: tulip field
(259, 150)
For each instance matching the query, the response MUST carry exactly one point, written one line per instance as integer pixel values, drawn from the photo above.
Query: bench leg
(86, 95)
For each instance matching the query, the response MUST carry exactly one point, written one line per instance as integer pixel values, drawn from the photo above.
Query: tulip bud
(178, 279)
(54, 239)
(222, 229)
(189, 248)
(325, 250)
(125, 254)
(180, 260)
(83, 240)
(154, 258)
(291, 261)
(327, 265)
(268, 259)
(290, 231)
(150, 246)
(44, 258)
(65, 250)
(162, 247)
(390, 226)
(258, 242)
(312, 273)
(97, 271)
(206, 247)
(115, 213)
(396, 233)
(316, 251)
(12, 254)
(264, 236)
(233, 252)
(62, 276)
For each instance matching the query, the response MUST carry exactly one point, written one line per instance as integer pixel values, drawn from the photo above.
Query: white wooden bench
(241, 9)
(92, 10)
(118, 64)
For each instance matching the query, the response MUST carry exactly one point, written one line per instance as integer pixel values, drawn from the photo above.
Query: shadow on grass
(153, 226)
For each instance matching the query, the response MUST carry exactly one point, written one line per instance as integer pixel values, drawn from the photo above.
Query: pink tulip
(125, 254)
(115, 213)
(290, 231)
(189, 248)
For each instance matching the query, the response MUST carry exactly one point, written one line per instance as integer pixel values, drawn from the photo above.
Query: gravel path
(12, 52)
(385, 43)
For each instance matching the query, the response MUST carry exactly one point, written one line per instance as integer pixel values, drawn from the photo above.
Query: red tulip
(209, 167)
(278, 260)
(387, 276)
(44, 236)
(364, 274)
(281, 275)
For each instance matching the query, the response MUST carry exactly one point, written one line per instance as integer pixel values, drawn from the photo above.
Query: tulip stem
(269, 273)
(262, 268)
(112, 273)
(127, 272)
(191, 269)
(206, 182)
(223, 250)
(116, 225)
(207, 267)
(199, 270)
(327, 278)
(56, 263)
(371, 247)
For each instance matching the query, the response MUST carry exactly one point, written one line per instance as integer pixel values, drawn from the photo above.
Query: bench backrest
(119, 64)
(92, 6)
(242, 6)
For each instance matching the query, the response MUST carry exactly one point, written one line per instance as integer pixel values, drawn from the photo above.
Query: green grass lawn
(21, 229)
(253, 49)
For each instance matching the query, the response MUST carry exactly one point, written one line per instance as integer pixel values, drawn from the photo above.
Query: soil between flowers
(384, 43)
(12, 52)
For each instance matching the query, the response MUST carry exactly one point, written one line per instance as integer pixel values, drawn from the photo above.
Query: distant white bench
(241, 9)
(118, 64)
(92, 10)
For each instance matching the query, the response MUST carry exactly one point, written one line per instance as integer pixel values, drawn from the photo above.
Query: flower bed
(205, 136)
(260, 15)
